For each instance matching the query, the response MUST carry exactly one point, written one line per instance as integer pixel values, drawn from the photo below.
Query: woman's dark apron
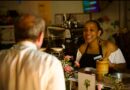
(89, 60)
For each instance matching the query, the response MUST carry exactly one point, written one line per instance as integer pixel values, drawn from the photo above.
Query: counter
(113, 81)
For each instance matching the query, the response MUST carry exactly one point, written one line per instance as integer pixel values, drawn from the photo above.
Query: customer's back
(24, 67)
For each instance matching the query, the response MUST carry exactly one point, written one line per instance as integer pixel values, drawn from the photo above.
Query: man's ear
(40, 36)
(39, 40)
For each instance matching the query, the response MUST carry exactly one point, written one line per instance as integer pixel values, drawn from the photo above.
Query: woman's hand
(77, 64)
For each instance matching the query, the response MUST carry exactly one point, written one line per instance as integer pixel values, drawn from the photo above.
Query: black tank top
(89, 60)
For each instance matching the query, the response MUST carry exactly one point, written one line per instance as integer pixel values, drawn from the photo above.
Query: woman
(94, 48)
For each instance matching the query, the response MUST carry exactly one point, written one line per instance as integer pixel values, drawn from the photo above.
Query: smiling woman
(95, 47)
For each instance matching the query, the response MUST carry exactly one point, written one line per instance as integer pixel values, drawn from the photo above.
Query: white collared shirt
(23, 67)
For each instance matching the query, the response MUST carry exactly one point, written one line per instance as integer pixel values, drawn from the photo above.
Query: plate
(90, 69)
(57, 49)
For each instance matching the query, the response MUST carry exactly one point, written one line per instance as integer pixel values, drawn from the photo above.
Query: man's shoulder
(4, 51)
(47, 57)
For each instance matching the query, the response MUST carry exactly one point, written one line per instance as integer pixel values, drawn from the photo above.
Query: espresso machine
(56, 39)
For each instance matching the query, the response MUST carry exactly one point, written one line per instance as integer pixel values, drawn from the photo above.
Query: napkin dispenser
(86, 81)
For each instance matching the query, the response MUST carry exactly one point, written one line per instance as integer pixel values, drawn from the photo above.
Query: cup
(102, 68)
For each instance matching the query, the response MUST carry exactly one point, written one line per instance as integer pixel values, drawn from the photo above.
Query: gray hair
(28, 27)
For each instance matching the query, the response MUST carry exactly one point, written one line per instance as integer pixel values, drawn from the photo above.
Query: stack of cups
(102, 68)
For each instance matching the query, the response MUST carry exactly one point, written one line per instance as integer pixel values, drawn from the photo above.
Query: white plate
(90, 69)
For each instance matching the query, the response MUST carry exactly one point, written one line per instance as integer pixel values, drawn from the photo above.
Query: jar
(102, 68)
